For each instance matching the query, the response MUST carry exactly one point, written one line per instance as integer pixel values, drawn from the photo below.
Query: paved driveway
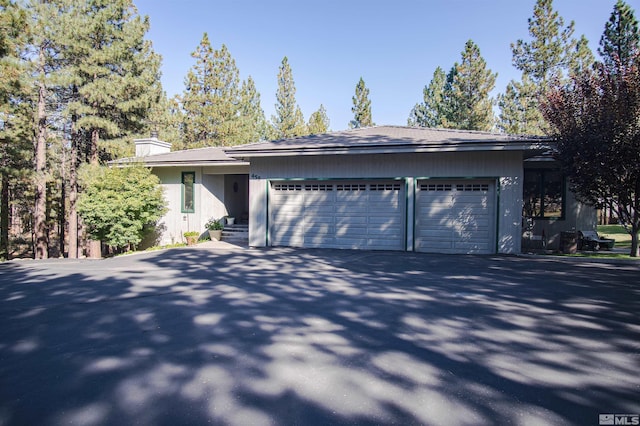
(283, 336)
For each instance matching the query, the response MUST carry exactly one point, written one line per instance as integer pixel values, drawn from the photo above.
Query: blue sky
(395, 45)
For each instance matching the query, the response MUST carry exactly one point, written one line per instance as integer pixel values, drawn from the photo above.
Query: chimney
(151, 146)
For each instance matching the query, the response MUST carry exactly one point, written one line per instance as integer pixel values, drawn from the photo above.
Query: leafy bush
(117, 203)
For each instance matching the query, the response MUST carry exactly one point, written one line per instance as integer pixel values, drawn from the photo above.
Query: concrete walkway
(228, 335)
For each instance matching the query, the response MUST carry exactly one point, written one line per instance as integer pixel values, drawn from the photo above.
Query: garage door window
(543, 193)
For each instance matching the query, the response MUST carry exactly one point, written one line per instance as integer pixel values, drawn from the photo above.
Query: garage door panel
(319, 220)
(317, 197)
(351, 230)
(351, 209)
(388, 232)
(320, 210)
(432, 234)
(355, 199)
(385, 220)
(352, 243)
(385, 244)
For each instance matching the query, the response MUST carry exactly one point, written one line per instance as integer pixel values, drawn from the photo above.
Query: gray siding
(209, 202)
(448, 164)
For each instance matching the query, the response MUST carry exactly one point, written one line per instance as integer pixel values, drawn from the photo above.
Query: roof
(390, 139)
(211, 156)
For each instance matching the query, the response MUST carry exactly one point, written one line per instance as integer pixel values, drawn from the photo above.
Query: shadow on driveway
(284, 336)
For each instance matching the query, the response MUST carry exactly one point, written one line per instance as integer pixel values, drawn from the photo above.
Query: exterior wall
(503, 166)
(209, 203)
(258, 222)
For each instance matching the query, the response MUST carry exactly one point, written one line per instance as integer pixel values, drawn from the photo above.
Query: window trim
(563, 193)
(182, 193)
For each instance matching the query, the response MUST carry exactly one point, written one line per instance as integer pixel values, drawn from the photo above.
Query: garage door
(354, 215)
(455, 217)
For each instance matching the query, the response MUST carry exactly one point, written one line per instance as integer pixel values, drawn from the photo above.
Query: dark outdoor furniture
(590, 240)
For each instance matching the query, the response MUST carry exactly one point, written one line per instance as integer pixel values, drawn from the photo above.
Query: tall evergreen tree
(211, 100)
(318, 121)
(430, 113)
(113, 76)
(361, 107)
(466, 94)
(620, 42)
(113, 69)
(546, 56)
(15, 154)
(519, 112)
(552, 53)
(43, 63)
(254, 122)
(199, 86)
(288, 121)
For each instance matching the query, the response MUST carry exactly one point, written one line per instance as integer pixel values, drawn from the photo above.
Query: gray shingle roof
(199, 156)
(387, 139)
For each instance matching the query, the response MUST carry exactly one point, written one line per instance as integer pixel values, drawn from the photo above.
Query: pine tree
(112, 74)
(113, 70)
(254, 123)
(361, 107)
(43, 64)
(519, 113)
(198, 129)
(466, 95)
(288, 121)
(620, 42)
(318, 122)
(217, 110)
(581, 57)
(545, 57)
(15, 154)
(430, 113)
(551, 54)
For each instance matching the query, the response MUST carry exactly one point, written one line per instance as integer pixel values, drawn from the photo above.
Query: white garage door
(455, 217)
(354, 215)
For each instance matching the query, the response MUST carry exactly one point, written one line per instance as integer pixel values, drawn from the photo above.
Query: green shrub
(116, 203)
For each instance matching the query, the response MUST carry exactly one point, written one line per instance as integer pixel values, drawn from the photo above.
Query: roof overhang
(391, 140)
(247, 152)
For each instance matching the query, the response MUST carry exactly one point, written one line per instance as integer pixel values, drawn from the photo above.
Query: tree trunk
(73, 192)
(4, 218)
(62, 208)
(94, 248)
(40, 217)
(634, 243)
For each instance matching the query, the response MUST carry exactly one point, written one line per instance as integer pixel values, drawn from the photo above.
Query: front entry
(236, 196)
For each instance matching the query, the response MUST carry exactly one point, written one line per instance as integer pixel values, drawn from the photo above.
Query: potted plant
(192, 237)
(215, 229)
(231, 220)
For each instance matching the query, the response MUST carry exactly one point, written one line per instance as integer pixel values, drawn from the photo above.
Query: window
(188, 194)
(543, 193)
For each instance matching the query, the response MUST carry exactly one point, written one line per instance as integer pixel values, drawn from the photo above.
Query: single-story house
(377, 188)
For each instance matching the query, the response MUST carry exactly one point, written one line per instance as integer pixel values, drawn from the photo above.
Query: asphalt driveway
(283, 336)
